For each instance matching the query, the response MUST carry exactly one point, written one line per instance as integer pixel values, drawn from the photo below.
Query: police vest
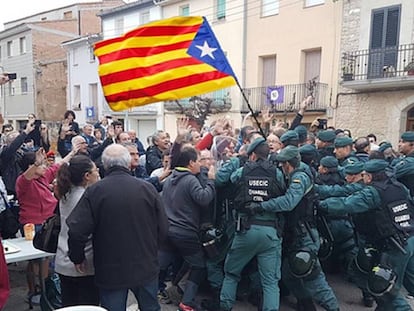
(257, 184)
(394, 217)
(305, 210)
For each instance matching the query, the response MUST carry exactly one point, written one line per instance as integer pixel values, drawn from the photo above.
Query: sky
(16, 9)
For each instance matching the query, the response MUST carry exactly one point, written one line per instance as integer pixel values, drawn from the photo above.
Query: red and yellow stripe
(151, 64)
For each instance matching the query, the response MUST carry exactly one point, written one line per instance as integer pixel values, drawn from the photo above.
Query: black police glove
(254, 208)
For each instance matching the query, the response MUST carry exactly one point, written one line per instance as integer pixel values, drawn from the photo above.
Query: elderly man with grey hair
(126, 219)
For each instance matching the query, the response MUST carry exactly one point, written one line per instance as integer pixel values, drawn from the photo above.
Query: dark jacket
(10, 162)
(153, 158)
(184, 198)
(127, 221)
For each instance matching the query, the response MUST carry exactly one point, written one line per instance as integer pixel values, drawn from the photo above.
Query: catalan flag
(167, 59)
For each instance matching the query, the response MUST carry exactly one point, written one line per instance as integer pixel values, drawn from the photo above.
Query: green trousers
(264, 243)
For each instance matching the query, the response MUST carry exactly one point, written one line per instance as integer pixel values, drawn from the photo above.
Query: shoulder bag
(46, 239)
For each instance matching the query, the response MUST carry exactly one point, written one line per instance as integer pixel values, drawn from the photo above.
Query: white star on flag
(206, 50)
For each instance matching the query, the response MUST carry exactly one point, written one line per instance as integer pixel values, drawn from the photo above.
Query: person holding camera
(68, 129)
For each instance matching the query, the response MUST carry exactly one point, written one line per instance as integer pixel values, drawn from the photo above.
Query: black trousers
(79, 290)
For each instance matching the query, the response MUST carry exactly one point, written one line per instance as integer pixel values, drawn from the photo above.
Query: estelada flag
(168, 59)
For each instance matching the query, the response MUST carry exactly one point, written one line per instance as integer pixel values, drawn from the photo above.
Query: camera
(11, 76)
(37, 123)
(323, 124)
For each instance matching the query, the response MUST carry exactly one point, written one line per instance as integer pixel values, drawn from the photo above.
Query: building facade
(31, 48)
(115, 22)
(377, 54)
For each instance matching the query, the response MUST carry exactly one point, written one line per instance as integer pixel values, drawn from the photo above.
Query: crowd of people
(266, 206)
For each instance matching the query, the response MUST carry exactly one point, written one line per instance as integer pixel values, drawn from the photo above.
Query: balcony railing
(285, 98)
(381, 63)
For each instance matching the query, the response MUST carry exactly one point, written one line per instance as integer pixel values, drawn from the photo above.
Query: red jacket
(4, 279)
(37, 202)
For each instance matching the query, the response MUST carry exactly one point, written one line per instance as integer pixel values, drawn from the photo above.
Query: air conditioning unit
(163, 2)
(159, 2)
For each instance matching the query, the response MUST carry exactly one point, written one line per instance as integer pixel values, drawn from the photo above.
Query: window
(9, 48)
(76, 105)
(313, 2)
(11, 88)
(270, 7)
(23, 85)
(91, 55)
(145, 17)
(185, 10)
(221, 9)
(268, 70)
(75, 56)
(312, 65)
(22, 45)
(93, 95)
(67, 15)
(385, 32)
(119, 26)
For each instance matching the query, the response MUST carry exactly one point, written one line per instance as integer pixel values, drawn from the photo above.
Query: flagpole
(251, 110)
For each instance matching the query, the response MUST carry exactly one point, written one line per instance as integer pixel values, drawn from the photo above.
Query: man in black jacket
(126, 218)
(185, 197)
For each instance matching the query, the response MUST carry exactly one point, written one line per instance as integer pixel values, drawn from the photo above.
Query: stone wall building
(376, 94)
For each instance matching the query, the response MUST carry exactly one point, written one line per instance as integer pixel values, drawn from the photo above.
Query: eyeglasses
(43, 128)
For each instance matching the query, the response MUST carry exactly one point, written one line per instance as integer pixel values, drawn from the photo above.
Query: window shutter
(393, 21)
(377, 29)
(269, 70)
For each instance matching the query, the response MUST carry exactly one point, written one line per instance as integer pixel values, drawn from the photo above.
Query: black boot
(305, 305)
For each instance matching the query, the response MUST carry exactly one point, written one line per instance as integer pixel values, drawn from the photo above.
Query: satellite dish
(274, 95)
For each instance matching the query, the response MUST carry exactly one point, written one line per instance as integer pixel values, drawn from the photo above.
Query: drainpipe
(79, 23)
(244, 44)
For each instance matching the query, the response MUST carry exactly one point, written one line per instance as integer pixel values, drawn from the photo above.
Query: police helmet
(301, 263)
(381, 280)
(325, 249)
(365, 258)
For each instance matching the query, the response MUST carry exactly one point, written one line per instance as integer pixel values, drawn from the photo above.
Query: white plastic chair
(81, 308)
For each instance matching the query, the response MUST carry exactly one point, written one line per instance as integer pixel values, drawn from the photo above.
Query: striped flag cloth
(168, 59)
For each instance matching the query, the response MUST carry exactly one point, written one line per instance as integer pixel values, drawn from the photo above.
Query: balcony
(382, 68)
(286, 98)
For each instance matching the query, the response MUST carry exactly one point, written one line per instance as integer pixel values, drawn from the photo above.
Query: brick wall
(50, 58)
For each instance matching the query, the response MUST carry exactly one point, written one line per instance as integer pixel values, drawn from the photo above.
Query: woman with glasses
(78, 287)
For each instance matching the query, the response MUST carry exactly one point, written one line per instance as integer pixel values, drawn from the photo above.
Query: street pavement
(348, 295)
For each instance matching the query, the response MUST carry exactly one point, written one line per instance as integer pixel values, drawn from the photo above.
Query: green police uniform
(259, 238)
(381, 208)
(343, 142)
(302, 233)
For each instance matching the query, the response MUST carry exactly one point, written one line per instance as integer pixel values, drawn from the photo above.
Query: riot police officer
(382, 214)
(256, 235)
(301, 270)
